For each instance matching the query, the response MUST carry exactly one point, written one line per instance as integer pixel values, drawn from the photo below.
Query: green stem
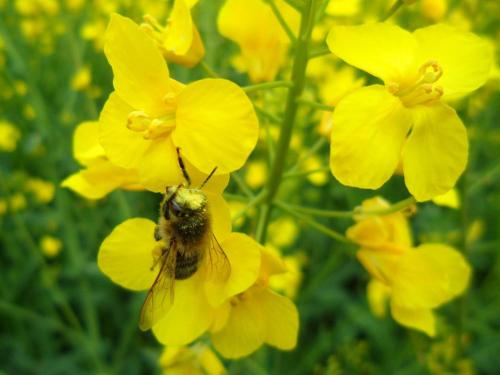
(282, 20)
(306, 173)
(315, 105)
(251, 203)
(298, 79)
(313, 223)
(398, 4)
(401, 205)
(319, 52)
(267, 86)
(242, 185)
(211, 73)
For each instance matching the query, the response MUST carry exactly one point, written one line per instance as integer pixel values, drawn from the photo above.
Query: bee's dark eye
(176, 209)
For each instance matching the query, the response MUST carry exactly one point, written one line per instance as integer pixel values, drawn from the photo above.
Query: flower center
(423, 90)
(154, 127)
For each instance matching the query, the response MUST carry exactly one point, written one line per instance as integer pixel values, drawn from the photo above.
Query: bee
(187, 245)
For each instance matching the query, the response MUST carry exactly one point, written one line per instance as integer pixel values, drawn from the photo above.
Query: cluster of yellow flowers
(404, 126)
(133, 146)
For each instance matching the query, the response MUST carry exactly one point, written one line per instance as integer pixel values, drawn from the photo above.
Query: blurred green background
(60, 315)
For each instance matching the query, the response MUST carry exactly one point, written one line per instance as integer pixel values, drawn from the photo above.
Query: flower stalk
(295, 92)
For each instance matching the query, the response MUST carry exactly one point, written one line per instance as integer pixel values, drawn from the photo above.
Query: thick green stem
(295, 92)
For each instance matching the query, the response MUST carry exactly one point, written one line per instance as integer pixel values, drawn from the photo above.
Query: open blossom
(257, 315)
(128, 253)
(179, 40)
(417, 280)
(377, 126)
(263, 42)
(149, 114)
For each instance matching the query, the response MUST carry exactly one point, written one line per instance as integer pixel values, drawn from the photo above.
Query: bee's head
(182, 202)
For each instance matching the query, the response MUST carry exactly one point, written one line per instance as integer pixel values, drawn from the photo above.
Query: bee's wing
(218, 267)
(161, 294)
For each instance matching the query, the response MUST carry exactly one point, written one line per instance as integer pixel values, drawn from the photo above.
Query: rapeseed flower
(128, 253)
(149, 114)
(263, 49)
(179, 40)
(42, 190)
(9, 136)
(418, 279)
(51, 246)
(257, 316)
(198, 359)
(375, 126)
(99, 176)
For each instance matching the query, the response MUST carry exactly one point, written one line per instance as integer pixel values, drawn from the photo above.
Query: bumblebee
(187, 243)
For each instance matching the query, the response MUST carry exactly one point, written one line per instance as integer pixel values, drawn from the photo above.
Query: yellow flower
(416, 279)
(255, 173)
(150, 114)
(263, 49)
(50, 246)
(100, 176)
(375, 125)
(434, 10)
(289, 282)
(43, 190)
(17, 202)
(344, 8)
(283, 232)
(81, 79)
(257, 316)
(128, 253)
(198, 359)
(179, 41)
(9, 136)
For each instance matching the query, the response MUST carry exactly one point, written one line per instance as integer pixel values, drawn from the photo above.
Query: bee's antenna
(183, 167)
(208, 177)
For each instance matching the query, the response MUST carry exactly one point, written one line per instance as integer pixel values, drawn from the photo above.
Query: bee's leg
(183, 167)
(157, 234)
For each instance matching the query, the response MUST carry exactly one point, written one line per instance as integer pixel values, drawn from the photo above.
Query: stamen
(422, 90)
(138, 121)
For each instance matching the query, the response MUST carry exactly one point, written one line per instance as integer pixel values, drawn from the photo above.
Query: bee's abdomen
(186, 264)
(191, 230)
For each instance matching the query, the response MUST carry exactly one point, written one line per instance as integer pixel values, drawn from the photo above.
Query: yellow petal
(86, 147)
(420, 319)
(381, 49)
(369, 128)
(123, 147)
(271, 263)
(216, 183)
(435, 154)
(221, 215)
(244, 256)
(429, 276)
(125, 256)
(449, 199)
(465, 58)
(369, 233)
(216, 125)
(99, 179)
(179, 30)
(189, 316)
(140, 73)
(282, 319)
(378, 295)
(245, 329)
(159, 167)
(263, 50)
